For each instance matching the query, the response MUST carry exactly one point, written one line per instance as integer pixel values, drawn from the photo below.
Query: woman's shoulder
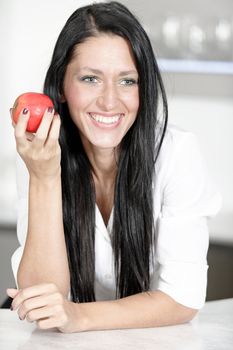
(179, 147)
(175, 137)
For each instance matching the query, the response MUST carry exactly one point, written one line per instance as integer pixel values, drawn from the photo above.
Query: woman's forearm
(137, 311)
(44, 258)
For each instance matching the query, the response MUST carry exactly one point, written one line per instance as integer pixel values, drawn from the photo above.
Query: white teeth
(105, 120)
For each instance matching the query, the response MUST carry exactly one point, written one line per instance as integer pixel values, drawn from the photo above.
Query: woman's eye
(89, 79)
(128, 82)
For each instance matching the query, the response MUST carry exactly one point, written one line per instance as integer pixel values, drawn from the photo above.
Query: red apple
(36, 103)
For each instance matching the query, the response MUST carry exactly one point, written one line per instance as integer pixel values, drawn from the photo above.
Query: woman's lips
(106, 121)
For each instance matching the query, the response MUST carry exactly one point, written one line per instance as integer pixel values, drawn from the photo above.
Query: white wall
(28, 31)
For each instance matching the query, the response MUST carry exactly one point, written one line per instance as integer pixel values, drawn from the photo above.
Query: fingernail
(25, 111)
(50, 109)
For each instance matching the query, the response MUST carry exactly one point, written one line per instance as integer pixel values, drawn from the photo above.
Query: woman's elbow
(187, 314)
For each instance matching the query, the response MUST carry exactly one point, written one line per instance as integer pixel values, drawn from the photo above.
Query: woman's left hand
(44, 304)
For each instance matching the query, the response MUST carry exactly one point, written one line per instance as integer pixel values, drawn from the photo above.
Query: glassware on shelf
(224, 38)
(171, 32)
(194, 37)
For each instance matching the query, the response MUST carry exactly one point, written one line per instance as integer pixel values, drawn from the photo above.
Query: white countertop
(211, 329)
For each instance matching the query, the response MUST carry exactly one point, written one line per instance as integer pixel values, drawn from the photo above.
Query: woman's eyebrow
(127, 72)
(122, 73)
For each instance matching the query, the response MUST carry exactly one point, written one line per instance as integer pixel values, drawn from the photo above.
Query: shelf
(195, 66)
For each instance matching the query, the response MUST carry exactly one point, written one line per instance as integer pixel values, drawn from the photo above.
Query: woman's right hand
(41, 151)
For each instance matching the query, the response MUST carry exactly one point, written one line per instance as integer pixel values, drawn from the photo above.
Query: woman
(116, 234)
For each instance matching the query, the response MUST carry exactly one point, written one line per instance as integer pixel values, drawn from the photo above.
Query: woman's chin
(105, 145)
(105, 142)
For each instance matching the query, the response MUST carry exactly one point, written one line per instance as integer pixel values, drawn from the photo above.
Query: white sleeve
(189, 198)
(22, 179)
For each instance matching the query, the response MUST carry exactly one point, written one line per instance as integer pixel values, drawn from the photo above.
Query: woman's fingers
(47, 134)
(29, 136)
(27, 308)
(12, 292)
(20, 128)
(40, 151)
(54, 131)
(42, 132)
(48, 130)
(40, 303)
(32, 292)
(38, 314)
(44, 304)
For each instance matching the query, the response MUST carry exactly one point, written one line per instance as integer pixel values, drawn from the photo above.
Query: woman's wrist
(78, 317)
(45, 180)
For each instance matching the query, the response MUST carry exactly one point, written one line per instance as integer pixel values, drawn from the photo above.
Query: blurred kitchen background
(193, 41)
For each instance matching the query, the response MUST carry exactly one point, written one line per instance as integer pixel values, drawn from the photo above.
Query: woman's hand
(40, 151)
(44, 304)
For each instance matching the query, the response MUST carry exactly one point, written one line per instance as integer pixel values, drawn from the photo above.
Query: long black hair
(133, 220)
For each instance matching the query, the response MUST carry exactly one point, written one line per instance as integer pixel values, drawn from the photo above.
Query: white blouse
(184, 198)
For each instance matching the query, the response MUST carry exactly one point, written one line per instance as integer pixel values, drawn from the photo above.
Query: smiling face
(101, 90)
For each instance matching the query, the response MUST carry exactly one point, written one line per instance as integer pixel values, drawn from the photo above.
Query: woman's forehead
(104, 50)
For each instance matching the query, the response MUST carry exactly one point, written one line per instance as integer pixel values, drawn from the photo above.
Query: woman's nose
(108, 99)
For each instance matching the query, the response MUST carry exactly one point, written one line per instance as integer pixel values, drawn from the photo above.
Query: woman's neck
(104, 164)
